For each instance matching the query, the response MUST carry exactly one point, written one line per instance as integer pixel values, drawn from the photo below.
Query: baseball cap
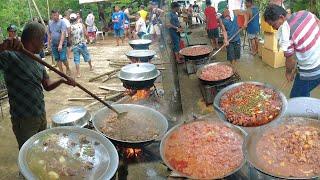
(73, 16)
(12, 27)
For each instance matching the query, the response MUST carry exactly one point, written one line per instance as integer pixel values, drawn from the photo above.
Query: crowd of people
(146, 22)
(299, 35)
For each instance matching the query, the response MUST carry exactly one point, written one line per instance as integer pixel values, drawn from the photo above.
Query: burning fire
(132, 152)
(141, 94)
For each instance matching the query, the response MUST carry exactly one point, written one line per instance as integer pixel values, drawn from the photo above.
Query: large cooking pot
(198, 56)
(179, 128)
(255, 136)
(144, 113)
(140, 43)
(221, 114)
(206, 82)
(140, 55)
(73, 116)
(105, 159)
(304, 107)
(138, 75)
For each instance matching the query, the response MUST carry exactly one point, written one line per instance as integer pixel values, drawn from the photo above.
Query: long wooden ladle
(31, 55)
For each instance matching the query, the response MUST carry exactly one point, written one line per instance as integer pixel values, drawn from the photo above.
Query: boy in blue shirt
(229, 25)
(118, 24)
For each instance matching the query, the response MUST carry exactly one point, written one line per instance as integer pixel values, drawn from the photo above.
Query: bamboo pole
(35, 5)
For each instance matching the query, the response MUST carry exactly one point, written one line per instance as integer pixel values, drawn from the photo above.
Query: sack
(182, 44)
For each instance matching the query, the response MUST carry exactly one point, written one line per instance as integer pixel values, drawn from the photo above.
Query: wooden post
(48, 10)
(35, 5)
(30, 10)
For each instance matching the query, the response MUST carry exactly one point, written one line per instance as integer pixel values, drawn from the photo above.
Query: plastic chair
(99, 33)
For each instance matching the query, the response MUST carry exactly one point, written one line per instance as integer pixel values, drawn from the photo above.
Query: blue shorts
(81, 49)
(118, 32)
(60, 56)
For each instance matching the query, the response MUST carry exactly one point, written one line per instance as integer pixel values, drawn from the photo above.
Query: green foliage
(17, 11)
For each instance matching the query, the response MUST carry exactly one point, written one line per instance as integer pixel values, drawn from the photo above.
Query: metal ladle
(29, 54)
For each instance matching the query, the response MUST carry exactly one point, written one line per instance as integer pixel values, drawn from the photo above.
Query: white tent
(90, 1)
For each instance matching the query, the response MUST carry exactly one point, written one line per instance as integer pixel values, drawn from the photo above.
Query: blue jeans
(81, 49)
(302, 88)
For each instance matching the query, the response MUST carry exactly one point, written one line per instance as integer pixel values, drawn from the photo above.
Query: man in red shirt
(212, 24)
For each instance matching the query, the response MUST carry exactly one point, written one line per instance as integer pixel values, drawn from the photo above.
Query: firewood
(105, 99)
(104, 74)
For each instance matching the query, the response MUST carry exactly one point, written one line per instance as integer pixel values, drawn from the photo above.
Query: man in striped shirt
(300, 37)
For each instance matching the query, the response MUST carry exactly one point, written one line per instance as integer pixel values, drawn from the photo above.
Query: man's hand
(226, 43)
(290, 75)
(70, 81)
(11, 44)
(179, 30)
(60, 48)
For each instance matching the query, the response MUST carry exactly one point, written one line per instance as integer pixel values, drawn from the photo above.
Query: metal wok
(200, 56)
(175, 128)
(138, 76)
(256, 134)
(221, 114)
(105, 158)
(140, 55)
(140, 43)
(206, 82)
(144, 113)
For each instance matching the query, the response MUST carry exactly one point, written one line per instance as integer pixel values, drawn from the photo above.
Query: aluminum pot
(237, 130)
(144, 112)
(201, 56)
(105, 160)
(73, 116)
(140, 55)
(206, 82)
(221, 114)
(304, 107)
(138, 75)
(257, 170)
(140, 43)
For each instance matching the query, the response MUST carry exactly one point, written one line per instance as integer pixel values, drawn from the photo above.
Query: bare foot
(78, 75)
(91, 68)
(68, 72)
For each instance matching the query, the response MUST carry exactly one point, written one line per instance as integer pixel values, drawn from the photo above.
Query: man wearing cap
(79, 47)
(12, 31)
(300, 37)
(143, 13)
(56, 39)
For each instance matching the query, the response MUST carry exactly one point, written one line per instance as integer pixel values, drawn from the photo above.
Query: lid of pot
(138, 72)
(140, 41)
(141, 53)
(69, 115)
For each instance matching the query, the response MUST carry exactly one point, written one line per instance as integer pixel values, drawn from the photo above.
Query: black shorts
(233, 51)
(213, 33)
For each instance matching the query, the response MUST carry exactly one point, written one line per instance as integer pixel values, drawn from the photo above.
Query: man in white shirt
(91, 29)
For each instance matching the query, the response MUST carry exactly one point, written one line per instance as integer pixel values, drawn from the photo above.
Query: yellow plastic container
(266, 27)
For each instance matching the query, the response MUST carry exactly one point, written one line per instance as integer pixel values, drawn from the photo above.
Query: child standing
(229, 26)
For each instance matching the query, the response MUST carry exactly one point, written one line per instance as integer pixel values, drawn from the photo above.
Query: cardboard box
(266, 27)
(260, 46)
(271, 41)
(274, 59)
